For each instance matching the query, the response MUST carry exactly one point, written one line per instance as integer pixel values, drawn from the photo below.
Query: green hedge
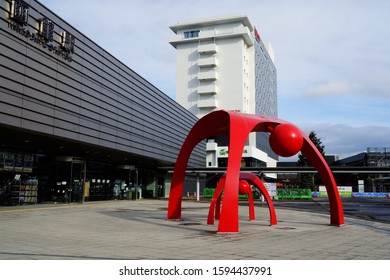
(288, 193)
(209, 192)
(293, 193)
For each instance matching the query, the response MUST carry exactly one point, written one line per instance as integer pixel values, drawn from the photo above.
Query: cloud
(331, 88)
(347, 140)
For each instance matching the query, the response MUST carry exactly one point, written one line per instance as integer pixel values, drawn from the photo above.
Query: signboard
(19, 23)
(271, 188)
(344, 191)
(19, 11)
(361, 186)
(224, 152)
(87, 186)
(257, 35)
(377, 195)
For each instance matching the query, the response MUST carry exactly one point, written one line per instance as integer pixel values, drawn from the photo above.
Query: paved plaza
(139, 230)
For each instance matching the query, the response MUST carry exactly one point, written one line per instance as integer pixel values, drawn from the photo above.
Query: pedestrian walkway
(139, 230)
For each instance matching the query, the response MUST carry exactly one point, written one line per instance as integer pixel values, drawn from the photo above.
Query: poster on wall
(28, 163)
(8, 161)
(1, 161)
(18, 162)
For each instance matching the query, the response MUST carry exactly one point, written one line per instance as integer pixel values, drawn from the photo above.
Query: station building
(76, 124)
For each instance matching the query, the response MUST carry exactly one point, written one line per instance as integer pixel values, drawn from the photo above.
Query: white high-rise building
(222, 63)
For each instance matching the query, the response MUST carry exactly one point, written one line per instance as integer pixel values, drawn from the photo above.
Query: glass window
(191, 34)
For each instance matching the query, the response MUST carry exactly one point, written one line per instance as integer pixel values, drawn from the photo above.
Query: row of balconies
(210, 102)
(207, 97)
(205, 62)
(207, 76)
(208, 61)
(207, 49)
(208, 89)
(210, 75)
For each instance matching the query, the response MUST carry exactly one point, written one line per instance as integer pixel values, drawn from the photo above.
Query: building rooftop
(187, 24)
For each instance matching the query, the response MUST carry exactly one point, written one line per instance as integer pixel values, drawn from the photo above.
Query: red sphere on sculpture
(286, 140)
(244, 187)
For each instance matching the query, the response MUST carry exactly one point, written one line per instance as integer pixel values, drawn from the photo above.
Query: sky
(332, 57)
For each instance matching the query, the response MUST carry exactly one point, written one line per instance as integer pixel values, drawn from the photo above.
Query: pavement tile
(140, 230)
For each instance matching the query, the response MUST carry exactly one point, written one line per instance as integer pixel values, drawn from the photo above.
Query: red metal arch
(238, 126)
(244, 177)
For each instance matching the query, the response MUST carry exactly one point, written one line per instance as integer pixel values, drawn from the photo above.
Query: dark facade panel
(12, 61)
(90, 114)
(109, 101)
(36, 89)
(40, 62)
(10, 120)
(40, 91)
(32, 124)
(109, 144)
(9, 97)
(107, 119)
(108, 132)
(90, 96)
(68, 105)
(68, 86)
(124, 124)
(10, 110)
(29, 113)
(64, 133)
(88, 138)
(69, 75)
(89, 132)
(109, 75)
(14, 77)
(66, 125)
(38, 107)
(92, 60)
(66, 116)
(18, 51)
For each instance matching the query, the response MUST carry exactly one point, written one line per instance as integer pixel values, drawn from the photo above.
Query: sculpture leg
(251, 207)
(218, 208)
(260, 186)
(229, 214)
(215, 202)
(245, 188)
(314, 156)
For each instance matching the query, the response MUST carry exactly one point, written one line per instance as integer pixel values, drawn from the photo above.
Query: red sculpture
(286, 140)
(237, 126)
(244, 188)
